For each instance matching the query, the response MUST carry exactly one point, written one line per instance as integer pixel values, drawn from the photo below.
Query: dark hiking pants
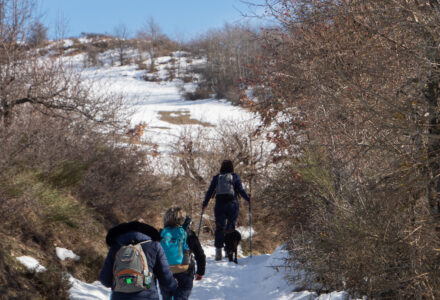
(226, 214)
(180, 294)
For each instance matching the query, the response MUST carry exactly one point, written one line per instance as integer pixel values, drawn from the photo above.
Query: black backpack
(225, 187)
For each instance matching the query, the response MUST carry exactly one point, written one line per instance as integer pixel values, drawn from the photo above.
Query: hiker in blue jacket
(132, 233)
(185, 272)
(226, 186)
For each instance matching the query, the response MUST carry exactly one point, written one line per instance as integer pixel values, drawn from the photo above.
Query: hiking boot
(218, 253)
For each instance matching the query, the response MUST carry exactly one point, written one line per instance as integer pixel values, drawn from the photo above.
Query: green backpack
(130, 269)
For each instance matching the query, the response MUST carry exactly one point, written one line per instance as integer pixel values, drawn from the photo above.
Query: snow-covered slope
(149, 100)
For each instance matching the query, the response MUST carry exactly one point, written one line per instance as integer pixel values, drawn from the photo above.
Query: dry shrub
(357, 82)
(370, 244)
(52, 284)
(121, 179)
(90, 265)
(187, 79)
(199, 94)
(151, 77)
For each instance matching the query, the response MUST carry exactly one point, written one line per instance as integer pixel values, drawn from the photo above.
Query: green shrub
(67, 174)
(59, 208)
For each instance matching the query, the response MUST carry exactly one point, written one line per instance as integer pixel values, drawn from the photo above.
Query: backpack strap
(144, 242)
(148, 276)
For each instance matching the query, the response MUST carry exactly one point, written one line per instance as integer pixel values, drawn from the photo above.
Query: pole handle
(200, 223)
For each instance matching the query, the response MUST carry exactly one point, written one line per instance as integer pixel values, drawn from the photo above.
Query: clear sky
(183, 19)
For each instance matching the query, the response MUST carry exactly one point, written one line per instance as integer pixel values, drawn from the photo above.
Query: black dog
(232, 239)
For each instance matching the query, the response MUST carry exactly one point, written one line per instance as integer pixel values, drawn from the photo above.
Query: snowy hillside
(159, 102)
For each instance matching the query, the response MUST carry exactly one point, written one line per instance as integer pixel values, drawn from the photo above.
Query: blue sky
(183, 19)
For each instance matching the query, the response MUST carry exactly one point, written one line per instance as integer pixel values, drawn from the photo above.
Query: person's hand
(199, 277)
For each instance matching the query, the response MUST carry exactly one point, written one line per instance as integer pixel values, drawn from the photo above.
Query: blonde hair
(173, 217)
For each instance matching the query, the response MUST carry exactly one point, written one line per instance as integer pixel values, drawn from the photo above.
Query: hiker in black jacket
(135, 232)
(175, 217)
(227, 186)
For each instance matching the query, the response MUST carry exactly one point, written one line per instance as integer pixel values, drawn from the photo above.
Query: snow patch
(64, 253)
(245, 232)
(87, 291)
(31, 264)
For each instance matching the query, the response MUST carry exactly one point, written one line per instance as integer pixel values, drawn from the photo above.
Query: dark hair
(227, 167)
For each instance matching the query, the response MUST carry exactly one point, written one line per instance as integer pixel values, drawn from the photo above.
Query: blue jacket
(238, 188)
(135, 232)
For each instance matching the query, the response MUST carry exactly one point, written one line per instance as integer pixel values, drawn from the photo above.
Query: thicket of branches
(354, 88)
(231, 55)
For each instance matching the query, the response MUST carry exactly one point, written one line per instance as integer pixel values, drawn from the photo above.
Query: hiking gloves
(199, 277)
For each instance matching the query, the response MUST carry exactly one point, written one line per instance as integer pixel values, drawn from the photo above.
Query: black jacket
(197, 250)
(135, 232)
(238, 188)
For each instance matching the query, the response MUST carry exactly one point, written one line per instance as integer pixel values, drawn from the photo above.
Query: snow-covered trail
(255, 278)
(252, 278)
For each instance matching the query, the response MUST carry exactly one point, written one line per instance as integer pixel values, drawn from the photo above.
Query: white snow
(31, 264)
(85, 291)
(245, 232)
(64, 253)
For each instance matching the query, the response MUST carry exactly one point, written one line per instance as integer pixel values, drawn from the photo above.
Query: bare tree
(151, 36)
(61, 26)
(47, 85)
(231, 53)
(121, 34)
(38, 34)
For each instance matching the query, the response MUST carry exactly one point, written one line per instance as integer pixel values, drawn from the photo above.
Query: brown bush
(199, 94)
(354, 86)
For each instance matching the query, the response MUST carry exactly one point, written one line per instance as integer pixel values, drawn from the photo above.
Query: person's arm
(106, 275)
(240, 189)
(162, 270)
(210, 191)
(199, 254)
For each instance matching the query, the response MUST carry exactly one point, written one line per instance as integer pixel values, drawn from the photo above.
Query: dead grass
(181, 117)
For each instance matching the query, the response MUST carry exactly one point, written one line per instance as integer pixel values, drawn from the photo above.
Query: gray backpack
(130, 269)
(225, 185)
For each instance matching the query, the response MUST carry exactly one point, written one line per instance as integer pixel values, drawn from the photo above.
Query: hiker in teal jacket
(174, 219)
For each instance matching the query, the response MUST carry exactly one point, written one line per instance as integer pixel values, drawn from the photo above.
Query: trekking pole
(200, 223)
(250, 224)
(250, 193)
